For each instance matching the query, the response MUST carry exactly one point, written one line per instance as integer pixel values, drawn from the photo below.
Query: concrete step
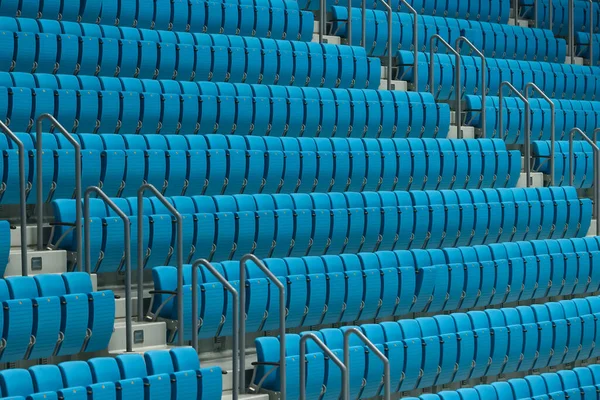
(537, 180)
(146, 336)
(38, 262)
(523, 23)
(468, 132)
(224, 362)
(328, 39)
(15, 235)
(229, 396)
(576, 61)
(396, 85)
(592, 230)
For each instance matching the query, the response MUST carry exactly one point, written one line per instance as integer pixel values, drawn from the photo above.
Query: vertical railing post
(322, 16)
(463, 39)
(550, 15)
(591, 33)
(127, 241)
(328, 352)
(533, 86)
(364, 24)
(140, 253)
(282, 315)
(516, 11)
(39, 172)
(389, 44)
(349, 23)
(375, 350)
(236, 317)
(22, 197)
(527, 128)
(571, 38)
(596, 195)
(535, 13)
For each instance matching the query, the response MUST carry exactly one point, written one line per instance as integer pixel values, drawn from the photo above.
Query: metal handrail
(140, 253)
(535, 11)
(571, 37)
(432, 73)
(527, 127)
(235, 310)
(516, 11)
(328, 352)
(282, 315)
(375, 350)
(596, 195)
(533, 86)
(39, 183)
(415, 43)
(431, 70)
(127, 239)
(22, 196)
(460, 40)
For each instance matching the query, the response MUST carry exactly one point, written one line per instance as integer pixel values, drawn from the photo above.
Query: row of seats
(568, 114)
(275, 18)
(560, 15)
(352, 115)
(50, 315)
(311, 64)
(583, 162)
(438, 350)
(217, 164)
(493, 40)
(301, 224)
(345, 288)
(54, 27)
(579, 383)
(490, 11)
(412, 112)
(560, 81)
(167, 374)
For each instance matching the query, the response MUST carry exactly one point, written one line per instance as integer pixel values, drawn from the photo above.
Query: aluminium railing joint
(242, 324)
(535, 88)
(127, 239)
(527, 127)
(39, 183)
(22, 196)
(466, 41)
(140, 253)
(236, 318)
(596, 195)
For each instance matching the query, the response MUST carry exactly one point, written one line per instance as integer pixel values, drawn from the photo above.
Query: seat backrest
(22, 287)
(16, 382)
(132, 366)
(76, 373)
(185, 359)
(78, 282)
(50, 285)
(159, 362)
(104, 369)
(46, 378)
